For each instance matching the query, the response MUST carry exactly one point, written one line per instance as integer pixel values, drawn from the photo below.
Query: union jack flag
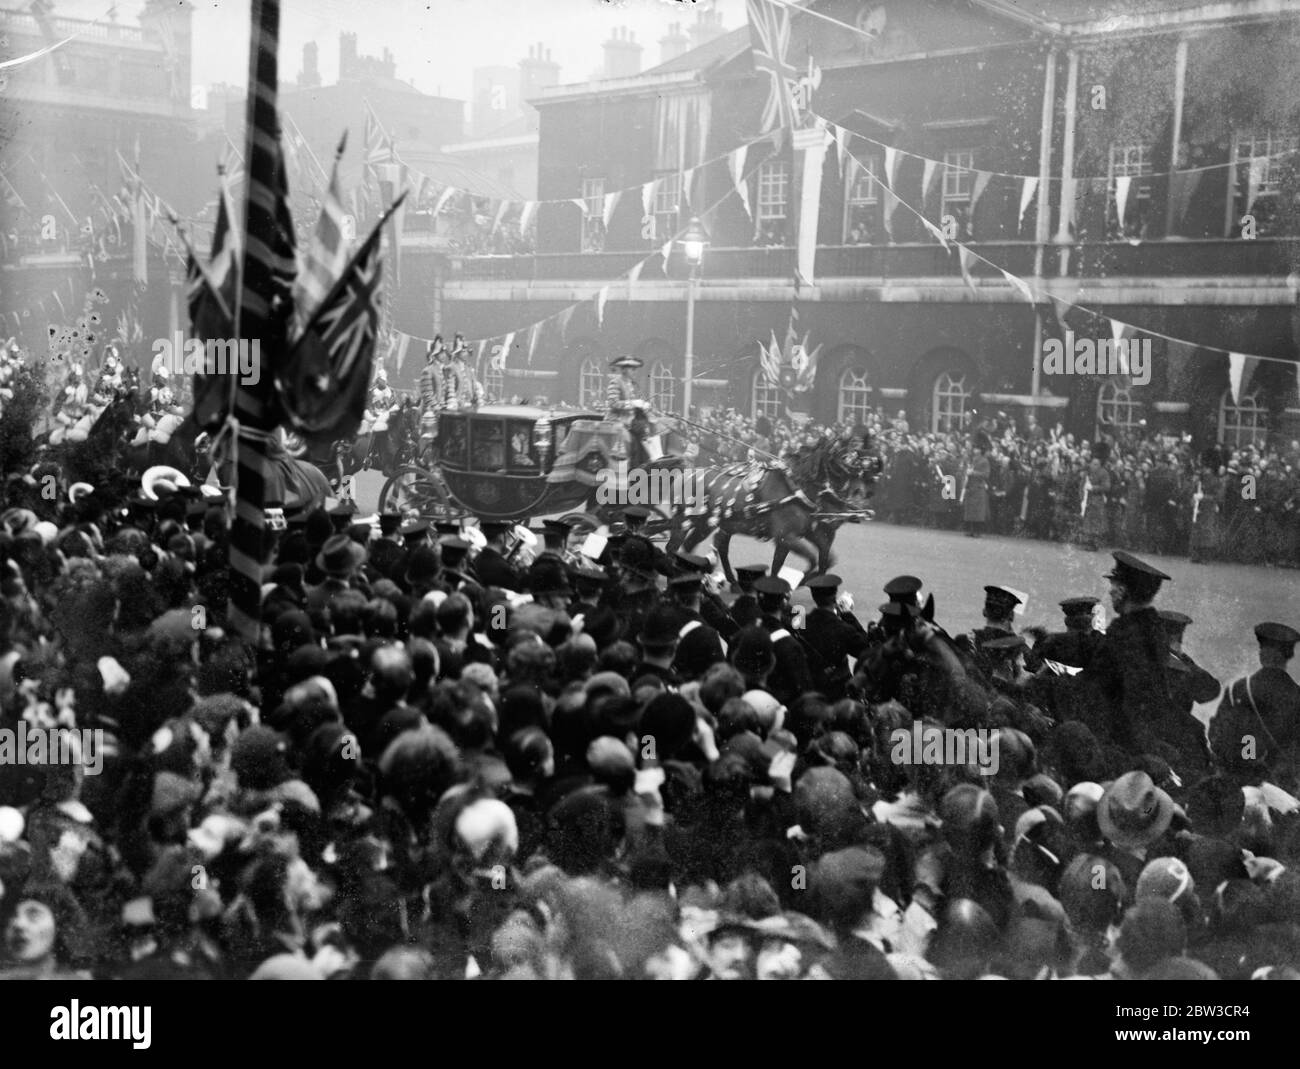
(379, 145)
(324, 381)
(769, 35)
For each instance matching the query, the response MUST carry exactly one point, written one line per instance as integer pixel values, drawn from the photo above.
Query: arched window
(663, 387)
(1242, 423)
(591, 385)
(766, 397)
(854, 396)
(949, 402)
(494, 383)
(1117, 413)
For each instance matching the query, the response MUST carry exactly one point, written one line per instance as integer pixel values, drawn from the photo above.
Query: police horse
(797, 503)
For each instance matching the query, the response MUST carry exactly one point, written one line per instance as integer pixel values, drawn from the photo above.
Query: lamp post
(694, 240)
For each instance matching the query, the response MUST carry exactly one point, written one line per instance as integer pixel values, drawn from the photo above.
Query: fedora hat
(1133, 811)
(340, 556)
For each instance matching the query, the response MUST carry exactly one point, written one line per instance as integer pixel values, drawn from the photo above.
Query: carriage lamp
(542, 439)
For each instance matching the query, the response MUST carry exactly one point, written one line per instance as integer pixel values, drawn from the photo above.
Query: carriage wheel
(414, 489)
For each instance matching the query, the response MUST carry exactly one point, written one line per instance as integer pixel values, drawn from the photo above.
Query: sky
(436, 43)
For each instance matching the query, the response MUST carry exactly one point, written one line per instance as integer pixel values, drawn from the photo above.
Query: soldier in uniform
(1129, 676)
(1271, 699)
(431, 392)
(744, 609)
(493, 566)
(1098, 484)
(999, 622)
(461, 388)
(791, 676)
(1207, 502)
(836, 632)
(386, 553)
(1075, 645)
(1189, 683)
(555, 542)
(383, 399)
(621, 389)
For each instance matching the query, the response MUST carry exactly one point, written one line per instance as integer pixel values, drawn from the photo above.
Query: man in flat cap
(1271, 701)
(1129, 676)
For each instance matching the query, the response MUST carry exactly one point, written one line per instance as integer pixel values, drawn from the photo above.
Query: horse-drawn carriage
(513, 462)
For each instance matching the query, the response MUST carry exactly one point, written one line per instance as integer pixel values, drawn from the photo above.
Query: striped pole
(253, 406)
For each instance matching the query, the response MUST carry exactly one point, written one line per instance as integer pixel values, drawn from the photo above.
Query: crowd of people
(468, 750)
(1160, 496)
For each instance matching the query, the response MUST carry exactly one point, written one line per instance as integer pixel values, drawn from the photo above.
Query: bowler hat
(660, 629)
(340, 556)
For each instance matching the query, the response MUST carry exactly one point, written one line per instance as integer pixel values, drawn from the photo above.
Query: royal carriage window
(1242, 423)
(591, 385)
(767, 397)
(1117, 412)
(949, 403)
(487, 445)
(452, 441)
(855, 396)
(522, 451)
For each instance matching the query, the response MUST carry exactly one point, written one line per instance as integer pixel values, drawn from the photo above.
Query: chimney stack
(536, 73)
(309, 78)
(622, 54)
(673, 44)
(707, 27)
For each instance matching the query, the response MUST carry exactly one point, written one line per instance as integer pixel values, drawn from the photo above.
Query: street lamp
(694, 240)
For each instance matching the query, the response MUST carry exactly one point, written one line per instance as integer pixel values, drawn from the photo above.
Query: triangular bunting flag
(601, 297)
(563, 320)
(443, 197)
(665, 252)
(478, 356)
(501, 211)
(611, 201)
(981, 184)
(891, 166)
(1236, 366)
(533, 332)
(1122, 186)
(1020, 285)
(1027, 190)
(582, 205)
(688, 177)
(928, 174)
(1117, 331)
(938, 234)
(648, 198)
(1254, 180)
(841, 144)
(736, 164)
(526, 216)
(967, 259)
(506, 343)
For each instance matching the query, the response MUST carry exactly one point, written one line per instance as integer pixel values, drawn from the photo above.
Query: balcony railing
(1231, 257)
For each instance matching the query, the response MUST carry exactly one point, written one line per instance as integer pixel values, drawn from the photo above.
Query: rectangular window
(593, 225)
(1260, 158)
(958, 184)
(773, 190)
(861, 201)
(1129, 161)
(668, 205)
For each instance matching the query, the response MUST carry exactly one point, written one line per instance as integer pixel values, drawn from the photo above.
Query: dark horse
(797, 503)
(339, 460)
